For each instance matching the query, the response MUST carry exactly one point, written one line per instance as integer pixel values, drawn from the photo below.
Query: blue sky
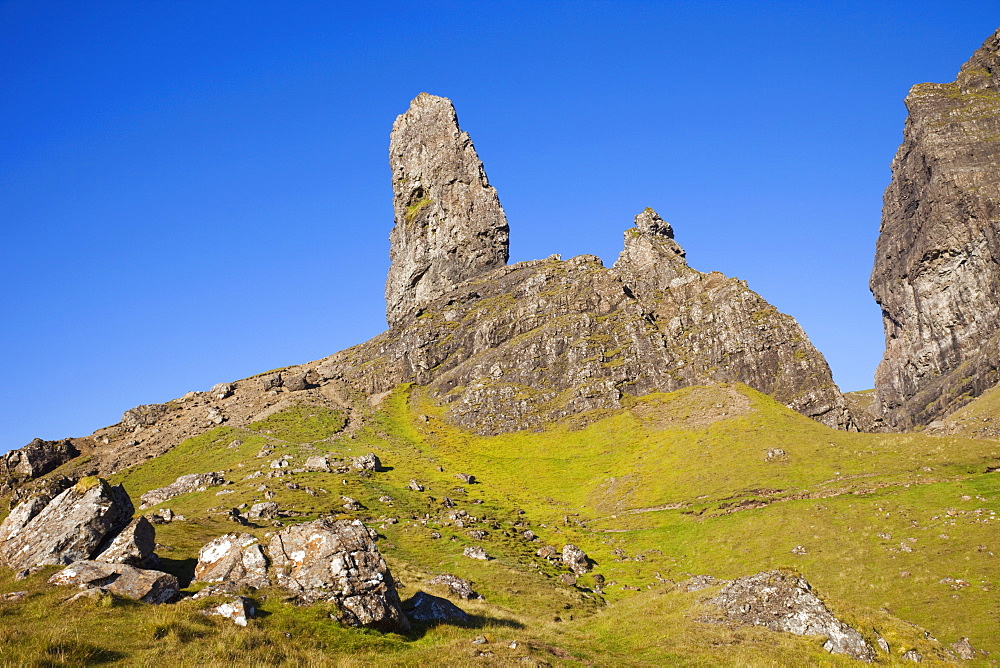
(194, 192)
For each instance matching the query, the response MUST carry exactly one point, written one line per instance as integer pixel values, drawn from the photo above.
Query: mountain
(936, 263)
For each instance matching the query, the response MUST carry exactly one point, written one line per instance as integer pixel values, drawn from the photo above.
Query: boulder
(221, 390)
(34, 460)
(336, 561)
(456, 585)
(318, 463)
(294, 382)
(783, 601)
(476, 552)
(143, 416)
(369, 462)
(239, 610)
(267, 510)
(415, 486)
(422, 607)
(71, 527)
(133, 546)
(185, 484)
(964, 649)
(235, 558)
(575, 559)
(143, 585)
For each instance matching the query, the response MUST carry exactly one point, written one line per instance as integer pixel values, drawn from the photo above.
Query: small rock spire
(651, 258)
(449, 225)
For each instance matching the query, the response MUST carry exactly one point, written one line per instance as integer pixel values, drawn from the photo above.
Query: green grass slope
(896, 532)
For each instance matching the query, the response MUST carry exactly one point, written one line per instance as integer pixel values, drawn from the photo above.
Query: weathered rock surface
(142, 585)
(71, 527)
(368, 462)
(423, 607)
(266, 510)
(239, 610)
(235, 558)
(449, 225)
(575, 559)
(34, 460)
(530, 343)
(133, 546)
(783, 601)
(937, 261)
(456, 585)
(337, 562)
(185, 484)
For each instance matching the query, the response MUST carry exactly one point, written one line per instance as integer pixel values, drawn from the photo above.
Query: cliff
(936, 262)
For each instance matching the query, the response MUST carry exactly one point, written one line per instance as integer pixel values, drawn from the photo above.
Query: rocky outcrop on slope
(143, 585)
(937, 261)
(34, 460)
(784, 601)
(450, 226)
(533, 342)
(73, 526)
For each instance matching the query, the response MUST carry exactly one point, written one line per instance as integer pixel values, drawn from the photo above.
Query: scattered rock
(133, 546)
(185, 484)
(294, 381)
(267, 510)
(456, 585)
(143, 416)
(423, 607)
(318, 463)
(351, 505)
(575, 559)
(13, 596)
(235, 558)
(369, 462)
(799, 549)
(913, 655)
(143, 585)
(783, 601)
(480, 640)
(476, 552)
(71, 527)
(568, 579)
(773, 454)
(478, 534)
(964, 649)
(699, 582)
(415, 486)
(466, 478)
(239, 610)
(337, 562)
(34, 460)
(547, 552)
(270, 381)
(221, 390)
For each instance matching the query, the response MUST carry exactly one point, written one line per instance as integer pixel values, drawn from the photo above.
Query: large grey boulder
(143, 585)
(450, 226)
(575, 559)
(71, 527)
(185, 484)
(337, 562)
(236, 559)
(423, 607)
(783, 601)
(133, 546)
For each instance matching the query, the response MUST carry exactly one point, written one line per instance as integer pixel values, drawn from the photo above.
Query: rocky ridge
(937, 261)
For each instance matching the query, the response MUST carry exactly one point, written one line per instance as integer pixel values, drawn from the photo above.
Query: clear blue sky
(194, 192)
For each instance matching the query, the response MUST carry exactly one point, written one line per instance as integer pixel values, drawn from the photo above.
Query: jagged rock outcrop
(529, 343)
(185, 484)
(784, 601)
(34, 460)
(449, 225)
(337, 562)
(236, 559)
(133, 546)
(73, 526)
(937, 261)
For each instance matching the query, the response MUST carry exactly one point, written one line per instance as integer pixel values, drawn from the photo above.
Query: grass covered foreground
(897, 533)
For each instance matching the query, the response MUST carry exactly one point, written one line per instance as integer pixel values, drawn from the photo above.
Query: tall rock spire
(449, 225)
(937, 260)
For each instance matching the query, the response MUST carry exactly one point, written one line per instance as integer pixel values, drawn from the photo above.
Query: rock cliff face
(533, 342)
(449, 225)
(936, 264)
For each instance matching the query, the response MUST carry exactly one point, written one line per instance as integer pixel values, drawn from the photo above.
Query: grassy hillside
(897, 533)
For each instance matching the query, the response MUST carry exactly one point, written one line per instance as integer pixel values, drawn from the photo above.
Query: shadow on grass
(182, 569)
(420, 628)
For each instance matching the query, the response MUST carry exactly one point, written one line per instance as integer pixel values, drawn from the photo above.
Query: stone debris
(466, 478)
(699, 582)
(71, 527)
(221, 390)
(415, 486)
(13, 596)
(185, 484)
(34, 460)
(913, 655)
(369, 462)
(456, 585)
(337, 561)
(774, 454)
(280, 462)
(235, 558)
(143, 416)
(351, 505)
(568, 579)
(423, 607)
(143, 585)
(476, 552)
(964, 649)
(239, 610)
(783, 601)
(575, 559)
(133, 546)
